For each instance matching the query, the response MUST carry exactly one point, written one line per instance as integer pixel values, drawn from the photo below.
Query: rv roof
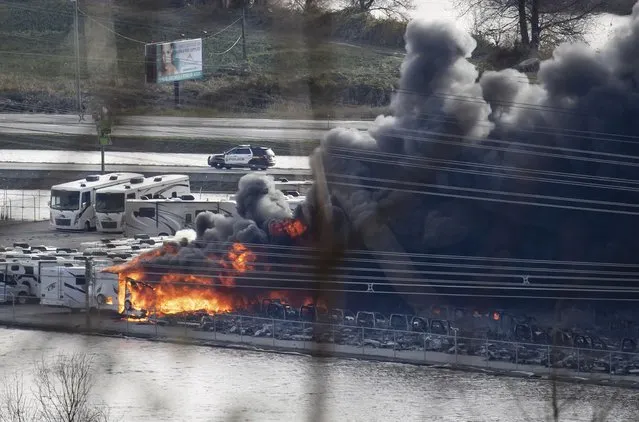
(103, 180)
(146, 183)
(293, 182)
(174, 200)
(200, 201)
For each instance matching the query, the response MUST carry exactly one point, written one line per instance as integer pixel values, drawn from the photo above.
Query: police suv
(244, 156)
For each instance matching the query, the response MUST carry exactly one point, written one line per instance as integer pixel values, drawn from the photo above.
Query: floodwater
(148, 381)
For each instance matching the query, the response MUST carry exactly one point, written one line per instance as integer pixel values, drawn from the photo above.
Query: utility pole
(176, 93)
(243, 31)
(76, 26)
(89, 284)
(103, 126)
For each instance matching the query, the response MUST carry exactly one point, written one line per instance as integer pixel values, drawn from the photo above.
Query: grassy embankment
(38, 68)
(349, 72)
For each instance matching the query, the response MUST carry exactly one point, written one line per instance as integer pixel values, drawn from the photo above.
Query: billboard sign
(174, 61)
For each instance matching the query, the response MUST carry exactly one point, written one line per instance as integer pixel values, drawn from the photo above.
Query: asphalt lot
(39, 233)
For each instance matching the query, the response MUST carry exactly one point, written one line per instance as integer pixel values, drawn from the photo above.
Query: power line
(454, 294)
(413, 277)
(312, 285)
(408, 161)
(496, 200)
(223, 29)
(363, 157)
(230, 48)
(111, 30)
(281, 283)
(534, 273)
(287, 251)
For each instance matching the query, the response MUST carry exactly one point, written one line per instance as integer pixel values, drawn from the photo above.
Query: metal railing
(407, 346)
(340, 340)
(447, 347)
(24, 205)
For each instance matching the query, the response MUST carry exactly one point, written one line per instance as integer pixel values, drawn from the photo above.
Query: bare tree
(532, 22)
(62, 393)
(396, 9)
(308, 6)
(15, 404)
(64, 390)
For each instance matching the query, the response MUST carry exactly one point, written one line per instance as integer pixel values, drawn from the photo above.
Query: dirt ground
(39, 233)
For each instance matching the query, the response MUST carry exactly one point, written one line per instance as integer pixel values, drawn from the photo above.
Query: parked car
(253, 157)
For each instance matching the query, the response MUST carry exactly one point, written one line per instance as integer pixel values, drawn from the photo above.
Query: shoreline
(59, 321)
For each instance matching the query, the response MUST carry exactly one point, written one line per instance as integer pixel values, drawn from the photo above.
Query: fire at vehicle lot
(226, 277)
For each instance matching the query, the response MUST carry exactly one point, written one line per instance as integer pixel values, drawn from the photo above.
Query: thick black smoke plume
(473, 166)
(495, 165)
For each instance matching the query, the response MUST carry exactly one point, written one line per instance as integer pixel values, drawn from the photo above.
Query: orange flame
(241, 258)
(176, 292)
(292, 228)
(136, 262)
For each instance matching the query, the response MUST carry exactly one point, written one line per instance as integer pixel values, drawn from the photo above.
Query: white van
(110, 201)
(71, 204)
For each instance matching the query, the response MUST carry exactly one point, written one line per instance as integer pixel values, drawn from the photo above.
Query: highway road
(139, 168)
(177, 127)
(71, 119)
(19, 156)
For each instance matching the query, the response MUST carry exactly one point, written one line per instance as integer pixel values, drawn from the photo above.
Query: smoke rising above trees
(488, 166)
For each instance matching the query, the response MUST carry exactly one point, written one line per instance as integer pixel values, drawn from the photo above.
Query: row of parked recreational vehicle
(58, 277)
(132, 204)
(98, 201)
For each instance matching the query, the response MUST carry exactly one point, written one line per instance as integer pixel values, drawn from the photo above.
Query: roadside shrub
(364, 28)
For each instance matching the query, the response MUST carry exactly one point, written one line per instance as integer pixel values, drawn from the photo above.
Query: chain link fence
(24, 205)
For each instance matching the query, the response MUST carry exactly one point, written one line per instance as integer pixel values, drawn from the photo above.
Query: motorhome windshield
(65, 200)
(109, 202)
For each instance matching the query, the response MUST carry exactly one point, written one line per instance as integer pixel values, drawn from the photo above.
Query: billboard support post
(176, 93)
(102, 158)
(103, 125)
(243, 31)
(76, 40)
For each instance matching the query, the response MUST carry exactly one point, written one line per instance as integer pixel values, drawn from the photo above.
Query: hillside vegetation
(347, 63)
(325, 64)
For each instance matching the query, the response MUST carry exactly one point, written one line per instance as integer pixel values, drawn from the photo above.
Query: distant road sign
(105, 139)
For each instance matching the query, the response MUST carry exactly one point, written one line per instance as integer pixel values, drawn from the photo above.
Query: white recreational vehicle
(71, 204)
(293, 188)
(106, 290)
(164, 217)
(63, 286)
(66, 286)
(110, 201)
(22, 275)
